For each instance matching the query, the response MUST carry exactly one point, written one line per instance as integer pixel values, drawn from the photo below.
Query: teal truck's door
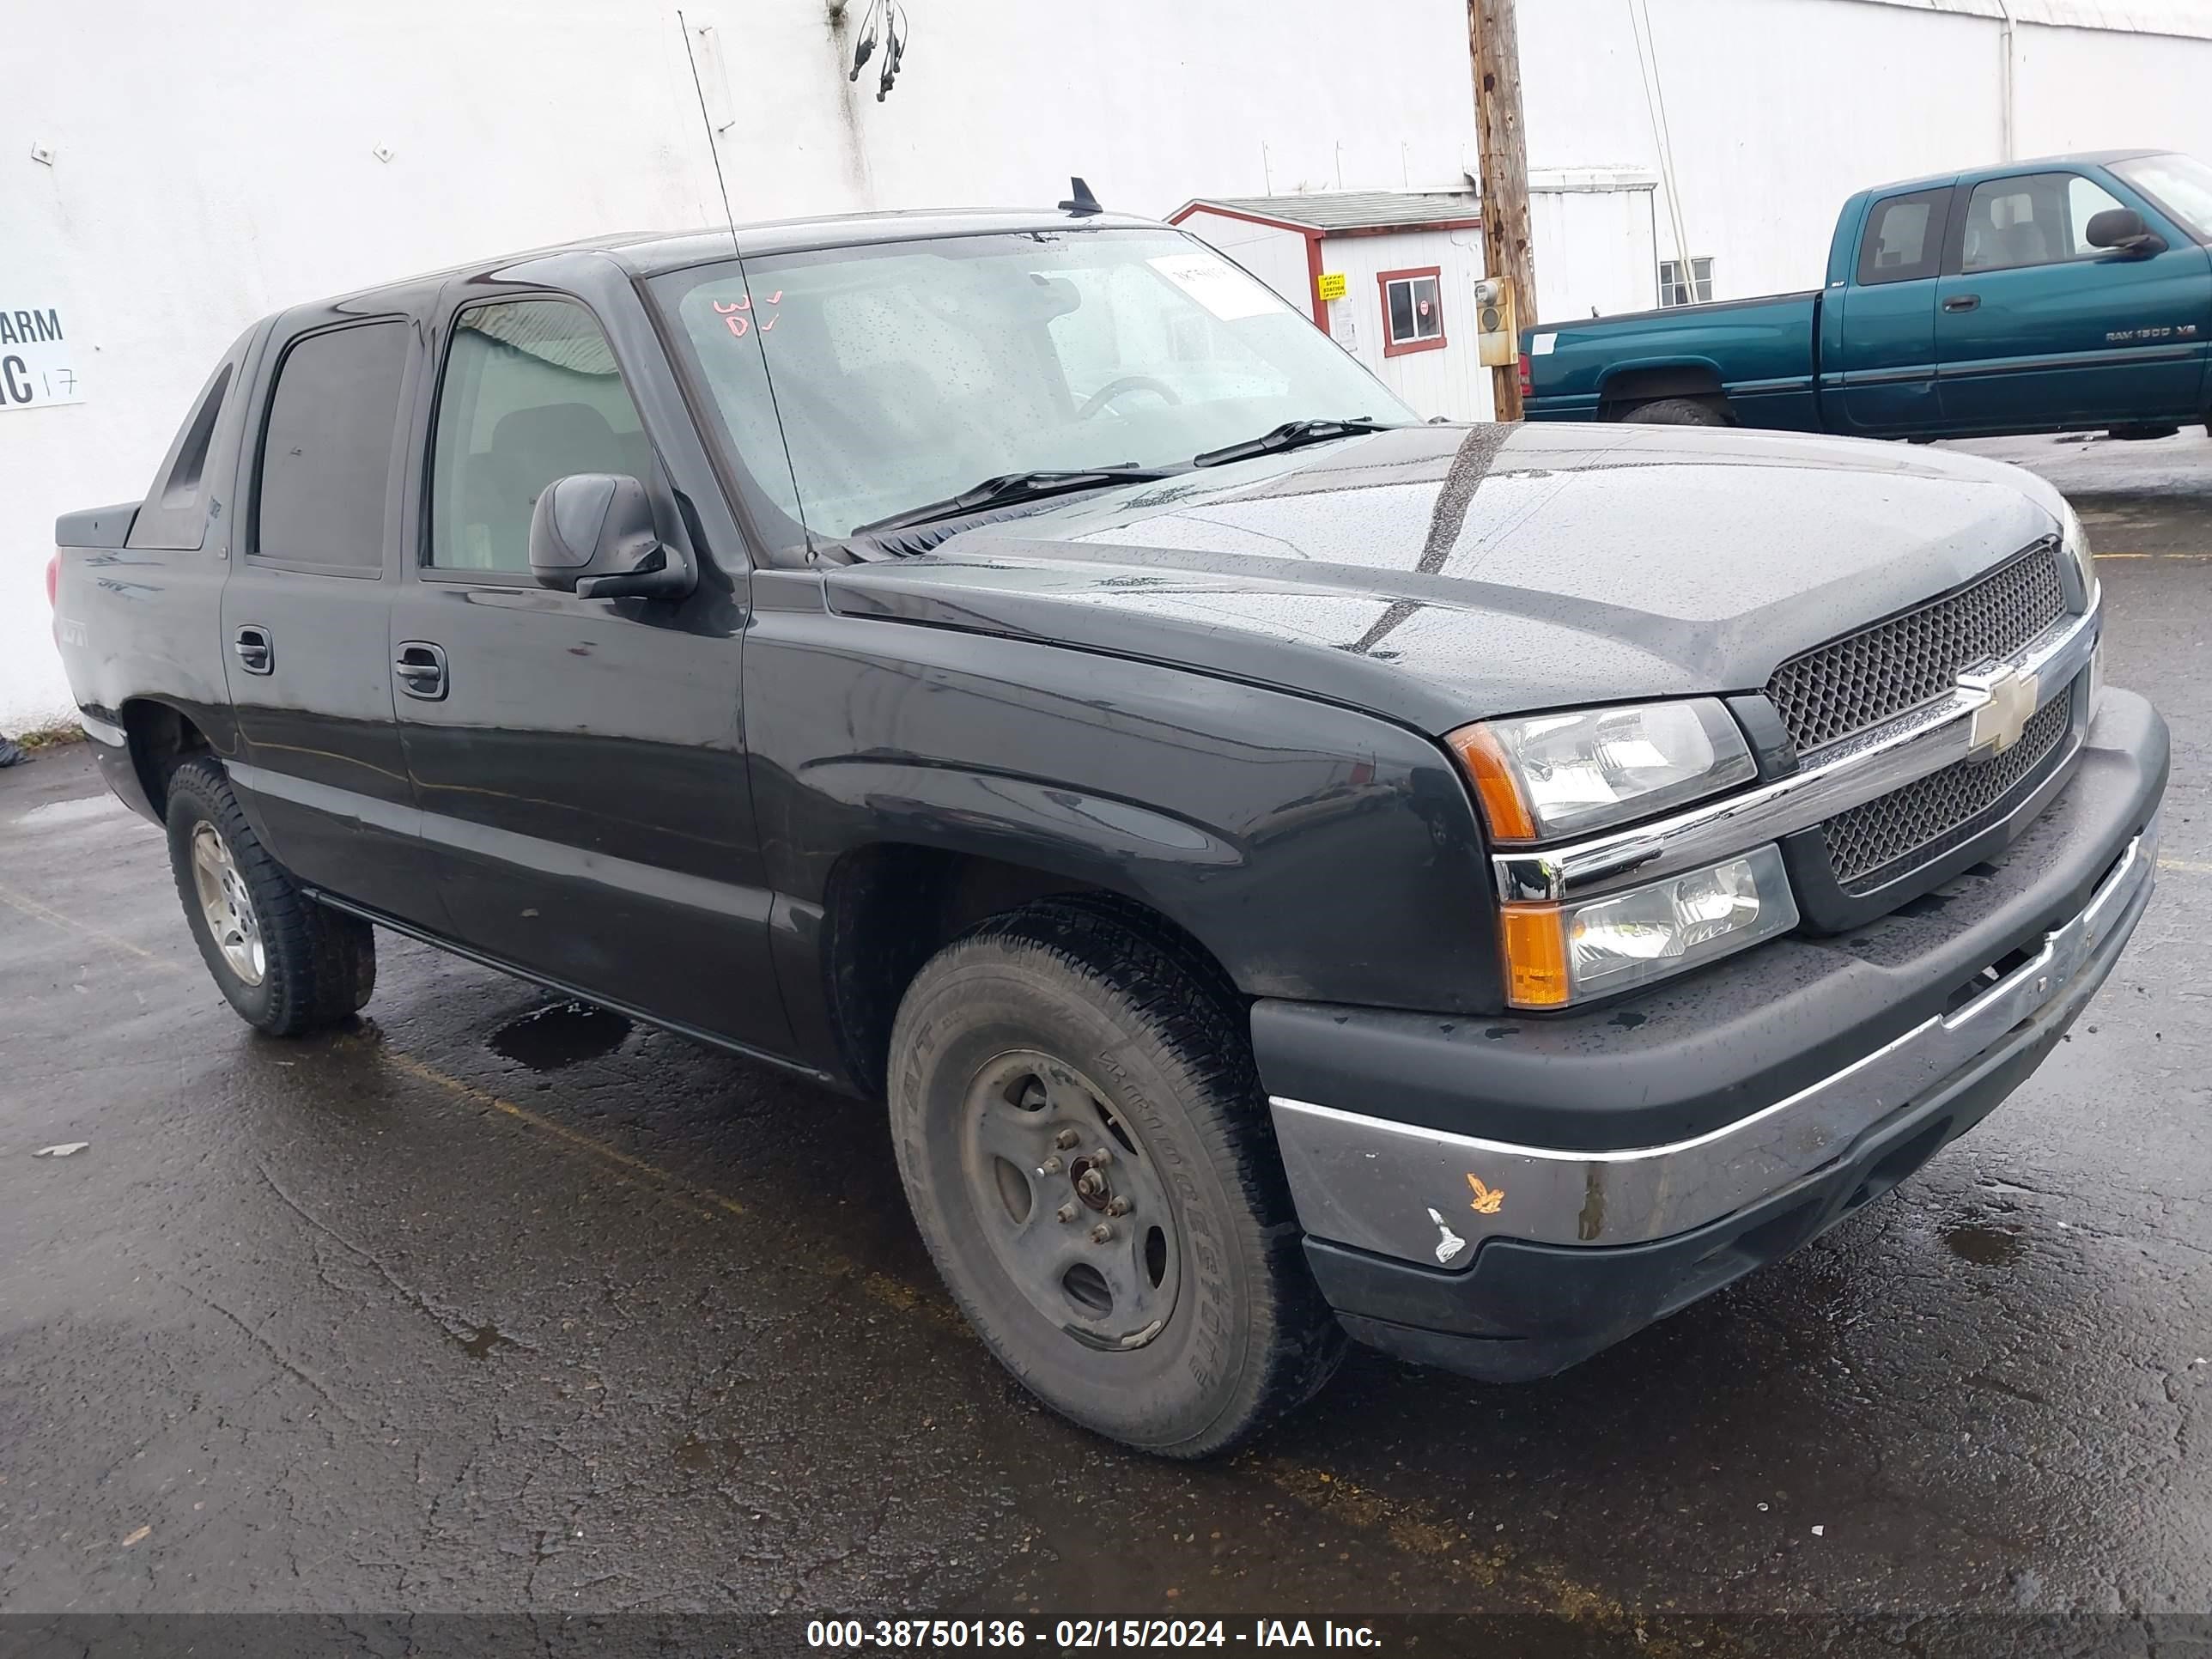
(2036, 328)
(1879, 361)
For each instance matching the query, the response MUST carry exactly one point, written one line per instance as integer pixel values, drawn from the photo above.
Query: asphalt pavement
(492, 1304)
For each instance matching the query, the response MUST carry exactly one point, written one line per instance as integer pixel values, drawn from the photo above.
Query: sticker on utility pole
(1330, 285)
(38, 361)
(1218, 286)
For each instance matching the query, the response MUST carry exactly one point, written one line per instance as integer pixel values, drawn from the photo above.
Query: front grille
(1837, 689)
(1929, 810)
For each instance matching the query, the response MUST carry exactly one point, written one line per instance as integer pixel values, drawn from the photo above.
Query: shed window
(1413, 310)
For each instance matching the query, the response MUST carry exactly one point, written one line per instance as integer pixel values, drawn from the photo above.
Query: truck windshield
(905, 374)
(2181, 184)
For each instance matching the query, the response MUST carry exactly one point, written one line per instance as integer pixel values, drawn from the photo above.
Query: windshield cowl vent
(915, 540)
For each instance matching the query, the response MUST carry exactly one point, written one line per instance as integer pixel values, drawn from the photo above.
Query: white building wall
(1778, 110)
(2085, 89)
(213, 161)
(1596, 248)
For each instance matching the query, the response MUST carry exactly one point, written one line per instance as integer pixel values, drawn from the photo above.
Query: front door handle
(1962, 302)
(421, 667)
(257, 652)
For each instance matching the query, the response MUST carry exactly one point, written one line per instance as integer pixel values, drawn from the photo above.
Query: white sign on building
(38, 361)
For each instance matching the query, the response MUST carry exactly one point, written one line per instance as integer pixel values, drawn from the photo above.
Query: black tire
(316, 966)
(1148, 1031)
(1677, 412)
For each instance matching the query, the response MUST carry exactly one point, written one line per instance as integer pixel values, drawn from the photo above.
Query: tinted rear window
(327, 453)
(174, 514)
(1904, 237)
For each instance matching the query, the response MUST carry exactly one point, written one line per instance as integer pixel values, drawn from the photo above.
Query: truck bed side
(1757, 353)
(138, 600)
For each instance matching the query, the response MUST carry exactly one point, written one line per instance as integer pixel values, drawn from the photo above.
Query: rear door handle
(257, 652)
(1962, 302)
(421, 667)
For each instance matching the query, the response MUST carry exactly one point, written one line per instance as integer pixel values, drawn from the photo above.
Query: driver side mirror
(2123, 229)
(592, 534)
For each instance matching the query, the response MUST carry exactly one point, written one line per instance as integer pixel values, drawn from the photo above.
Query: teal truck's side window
(2031, 219)
(1904, 237)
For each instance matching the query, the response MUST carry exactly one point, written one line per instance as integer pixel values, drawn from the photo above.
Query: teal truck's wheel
(1089, 1161)
(286, 964)
(1677, 412)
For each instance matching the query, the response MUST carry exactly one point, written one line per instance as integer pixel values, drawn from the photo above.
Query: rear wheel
(1089, 1157)
(1677, 412)
(288, 964)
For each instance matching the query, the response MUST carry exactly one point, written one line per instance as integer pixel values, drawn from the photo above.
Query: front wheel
(1088, 1155)
(288, 964)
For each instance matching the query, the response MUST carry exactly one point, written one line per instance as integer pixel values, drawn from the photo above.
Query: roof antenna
(738, 253)
(714, 151)
(1080, 203)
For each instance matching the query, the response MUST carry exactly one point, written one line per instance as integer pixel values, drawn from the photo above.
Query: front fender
(1318, 851)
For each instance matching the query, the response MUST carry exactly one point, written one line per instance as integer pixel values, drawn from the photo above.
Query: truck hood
(1437, 575)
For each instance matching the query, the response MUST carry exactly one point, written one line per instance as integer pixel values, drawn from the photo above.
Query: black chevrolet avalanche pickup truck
(1293, 871)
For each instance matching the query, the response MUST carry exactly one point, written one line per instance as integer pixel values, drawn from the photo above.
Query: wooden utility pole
(1495, 49)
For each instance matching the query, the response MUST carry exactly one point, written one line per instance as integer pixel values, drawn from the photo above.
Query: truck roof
(649, 252)
(1998, 169)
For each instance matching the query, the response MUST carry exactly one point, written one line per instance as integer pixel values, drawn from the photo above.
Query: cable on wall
(1655, 103)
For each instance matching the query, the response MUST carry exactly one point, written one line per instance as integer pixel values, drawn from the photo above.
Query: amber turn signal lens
(1495, 784)
(1535, 938)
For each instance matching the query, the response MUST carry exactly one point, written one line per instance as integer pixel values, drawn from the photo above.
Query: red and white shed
(1390, 273)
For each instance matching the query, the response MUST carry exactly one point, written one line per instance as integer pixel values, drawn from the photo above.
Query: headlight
(1545, 776)
(1556, 954)
(2073, 545)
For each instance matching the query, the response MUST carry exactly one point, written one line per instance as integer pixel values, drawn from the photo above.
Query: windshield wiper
(1290, 435)
(1008, 486)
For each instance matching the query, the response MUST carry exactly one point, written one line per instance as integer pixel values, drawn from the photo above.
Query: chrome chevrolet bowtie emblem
(2009, 704)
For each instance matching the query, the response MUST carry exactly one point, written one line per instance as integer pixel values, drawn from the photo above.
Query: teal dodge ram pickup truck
(2038, 296)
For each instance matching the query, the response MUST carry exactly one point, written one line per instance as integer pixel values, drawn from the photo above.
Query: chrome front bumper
(1420, 1195)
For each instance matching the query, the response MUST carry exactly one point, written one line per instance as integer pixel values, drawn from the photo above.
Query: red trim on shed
(1313, 283)
(1382, 280)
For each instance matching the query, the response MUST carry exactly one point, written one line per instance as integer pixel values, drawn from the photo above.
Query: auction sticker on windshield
(1215, 284)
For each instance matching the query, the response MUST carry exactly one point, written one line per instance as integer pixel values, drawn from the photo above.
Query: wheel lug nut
(1067, 1213)
(1102, 1234)
(1066, 1138)
(1102, 1157)
(1050, 1166)
(1119, 1205)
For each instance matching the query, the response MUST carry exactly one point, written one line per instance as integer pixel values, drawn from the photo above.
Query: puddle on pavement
(1984, 1246)
(546, 1039)
(479, 1343)
(699, 1456)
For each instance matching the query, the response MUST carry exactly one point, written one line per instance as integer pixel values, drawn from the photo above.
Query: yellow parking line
(1440, 1541)
(700, 1197)
(53, 918)
(2154, 555)
(685, 1194)
(2187, 866)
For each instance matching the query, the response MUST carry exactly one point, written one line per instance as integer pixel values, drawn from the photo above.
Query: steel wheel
(227, 906)
(1071, 1201)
